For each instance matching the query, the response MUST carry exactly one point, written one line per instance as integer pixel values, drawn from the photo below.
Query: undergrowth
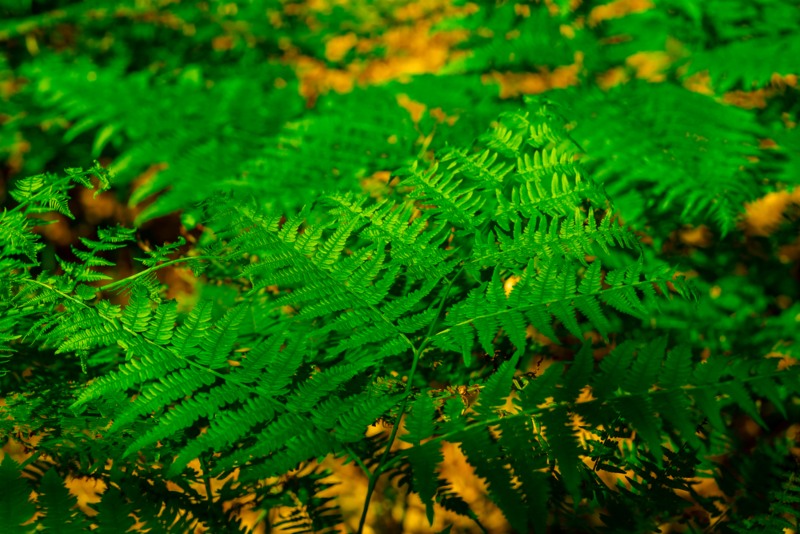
(396, 253)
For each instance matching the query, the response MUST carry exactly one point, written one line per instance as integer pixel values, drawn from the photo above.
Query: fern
(782, 510)
(16, 509)
(347, 302)
(524, 292)
(702, 138)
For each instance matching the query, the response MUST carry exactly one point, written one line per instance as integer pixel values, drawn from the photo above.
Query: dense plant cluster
(557, 239)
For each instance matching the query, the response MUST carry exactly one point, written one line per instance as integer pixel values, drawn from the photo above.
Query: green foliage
(16, 508)
(697, 159)
(547, 227)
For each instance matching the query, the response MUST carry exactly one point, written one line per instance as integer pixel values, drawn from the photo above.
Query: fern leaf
(136, 316)
(527, 461)
(563, 448)
(59, 507)
(646, 367)
(496, 388)
(299, 448)
(352, 424)
(451, 199)
(578, 375)
(114, 514)
(424, 460)
(226, 428)
(187, 413)
(219, 340)
(419, 423)
(162, 324)
(191, 333)
(281, 365)
(543, 387)
(638, 411)
(15, 506)
(478, 447)
(172, 387)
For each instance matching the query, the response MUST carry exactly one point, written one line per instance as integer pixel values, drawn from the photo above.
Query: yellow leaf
(763, 216)
(338, 46)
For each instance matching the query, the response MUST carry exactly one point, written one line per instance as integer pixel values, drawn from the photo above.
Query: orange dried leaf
(617, 9)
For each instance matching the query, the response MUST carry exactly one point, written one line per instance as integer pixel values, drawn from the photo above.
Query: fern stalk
(416, 353)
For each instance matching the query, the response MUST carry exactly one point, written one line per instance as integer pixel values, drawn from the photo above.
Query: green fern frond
(478, 446)
(703, 138)
(16, 507)
(59, 507)
(741, 63)
(449, 199)
(783, 510)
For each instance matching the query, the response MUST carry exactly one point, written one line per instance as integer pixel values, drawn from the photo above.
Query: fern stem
(478, 523)
(380, 469)
(370, 489)
(154, 268)
(417, 352)
(357, 459)
(546, 302)
(426, 341)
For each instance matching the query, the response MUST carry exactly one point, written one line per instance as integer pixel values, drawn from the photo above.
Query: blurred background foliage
(686, 109)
